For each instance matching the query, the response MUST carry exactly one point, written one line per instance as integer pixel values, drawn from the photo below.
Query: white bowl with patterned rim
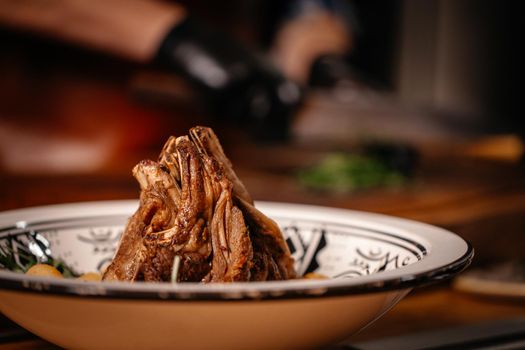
(372, 261)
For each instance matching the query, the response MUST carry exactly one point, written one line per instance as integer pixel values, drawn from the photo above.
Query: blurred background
(402, 70)
(404, 107)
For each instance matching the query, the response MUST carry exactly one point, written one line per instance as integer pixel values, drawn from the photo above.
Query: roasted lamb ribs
(194, 207)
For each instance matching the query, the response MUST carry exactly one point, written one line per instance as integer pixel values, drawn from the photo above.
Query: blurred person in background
(233, 81)
(228, 77)
(311, 42)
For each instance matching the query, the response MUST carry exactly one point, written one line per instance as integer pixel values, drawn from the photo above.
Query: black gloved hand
(232, 82)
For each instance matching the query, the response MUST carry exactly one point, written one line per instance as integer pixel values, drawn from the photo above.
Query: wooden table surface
(479, 198)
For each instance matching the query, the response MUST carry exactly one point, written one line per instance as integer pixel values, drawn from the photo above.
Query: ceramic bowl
(372, 261)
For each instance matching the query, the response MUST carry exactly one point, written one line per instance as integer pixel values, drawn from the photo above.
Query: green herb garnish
(340, 172)
(22, 259)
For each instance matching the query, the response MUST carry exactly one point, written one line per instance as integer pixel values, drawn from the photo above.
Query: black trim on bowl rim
(315, 289)
(194, 292)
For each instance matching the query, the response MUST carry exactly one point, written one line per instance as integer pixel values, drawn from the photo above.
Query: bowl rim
(447, 254)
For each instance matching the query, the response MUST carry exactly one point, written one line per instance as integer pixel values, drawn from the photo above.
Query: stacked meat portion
(194, 207)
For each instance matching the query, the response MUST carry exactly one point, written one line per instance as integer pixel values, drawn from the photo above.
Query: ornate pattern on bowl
(371, 260)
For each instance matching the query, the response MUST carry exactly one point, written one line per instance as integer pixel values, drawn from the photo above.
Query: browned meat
(208, 144)
(158, 204)
(260, 224)
(194, 207)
